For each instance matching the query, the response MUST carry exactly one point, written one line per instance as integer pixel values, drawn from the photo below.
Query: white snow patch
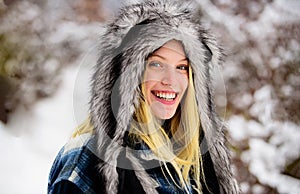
(32, 138)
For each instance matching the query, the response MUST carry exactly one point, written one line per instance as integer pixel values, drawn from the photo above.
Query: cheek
(184, 81)
(151, 76)
(148, 85)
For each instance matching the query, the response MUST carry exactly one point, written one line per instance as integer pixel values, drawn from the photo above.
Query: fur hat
(136, 32)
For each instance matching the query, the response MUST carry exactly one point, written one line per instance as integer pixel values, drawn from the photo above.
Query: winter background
(47, 50)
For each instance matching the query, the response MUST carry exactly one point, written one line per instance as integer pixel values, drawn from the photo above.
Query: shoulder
(76, 165)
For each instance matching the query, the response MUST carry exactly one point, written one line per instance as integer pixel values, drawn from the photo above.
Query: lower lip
(164, 101)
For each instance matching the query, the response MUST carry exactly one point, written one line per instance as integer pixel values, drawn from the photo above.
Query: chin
(164, 115)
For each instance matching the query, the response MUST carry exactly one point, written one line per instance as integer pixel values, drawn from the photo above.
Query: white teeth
(171, 95)
(166, 96)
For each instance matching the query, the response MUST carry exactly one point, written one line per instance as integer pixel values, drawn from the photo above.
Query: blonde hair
(85, 127)
(184, 133)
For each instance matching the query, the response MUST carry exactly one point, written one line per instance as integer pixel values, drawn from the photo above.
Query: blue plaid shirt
(75, 170)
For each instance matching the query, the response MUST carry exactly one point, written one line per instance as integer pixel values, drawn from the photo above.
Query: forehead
(175, 46)
(172, 50)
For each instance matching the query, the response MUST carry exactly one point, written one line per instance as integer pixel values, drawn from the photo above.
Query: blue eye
(156, 64)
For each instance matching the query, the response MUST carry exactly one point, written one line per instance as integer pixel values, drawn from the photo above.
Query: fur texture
(136, 32)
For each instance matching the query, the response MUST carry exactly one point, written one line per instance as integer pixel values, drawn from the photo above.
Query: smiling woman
(161, 124)
(152, 126)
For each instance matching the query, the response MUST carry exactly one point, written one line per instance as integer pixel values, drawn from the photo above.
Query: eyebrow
(157, 55)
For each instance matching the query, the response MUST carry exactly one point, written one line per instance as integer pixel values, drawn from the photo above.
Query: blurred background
(47, 50)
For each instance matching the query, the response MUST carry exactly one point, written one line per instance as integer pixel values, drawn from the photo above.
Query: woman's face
(166, 79)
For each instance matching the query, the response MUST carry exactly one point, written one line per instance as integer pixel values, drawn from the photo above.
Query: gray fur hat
(136, 32)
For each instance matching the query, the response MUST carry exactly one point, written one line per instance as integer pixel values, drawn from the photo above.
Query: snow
(266, 161)
(32, 138)
(34, 135)
(273, 144)
(232, 23)
(241, 129)
(267, 158)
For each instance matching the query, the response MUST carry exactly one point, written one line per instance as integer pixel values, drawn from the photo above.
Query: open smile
(166, 97)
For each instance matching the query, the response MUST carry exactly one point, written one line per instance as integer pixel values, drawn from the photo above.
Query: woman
(152, 125)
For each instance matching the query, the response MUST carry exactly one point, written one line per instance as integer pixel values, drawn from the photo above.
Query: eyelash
(183, 67)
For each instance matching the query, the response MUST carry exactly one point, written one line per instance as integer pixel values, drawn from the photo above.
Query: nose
(168, 77)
